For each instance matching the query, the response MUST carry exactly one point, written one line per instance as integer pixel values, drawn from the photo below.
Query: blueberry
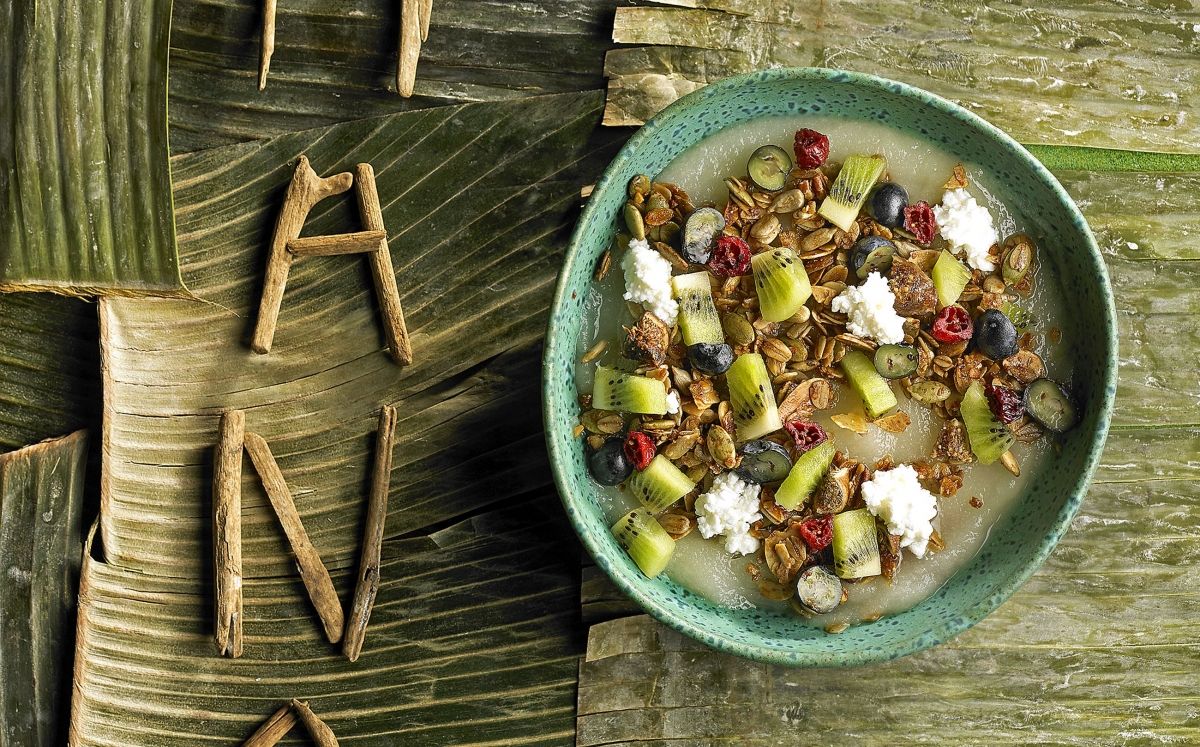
(995, 335)
(608, 464)
(764, 461)
(711, 358)
(865, 247)
(888, 203)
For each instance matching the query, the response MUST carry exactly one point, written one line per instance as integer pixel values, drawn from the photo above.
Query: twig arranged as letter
(312, 571)
(317, 729)
(273, 729)
(382, 272)
(268, 42)
(306, 190)
(227, 532)
(372, 545)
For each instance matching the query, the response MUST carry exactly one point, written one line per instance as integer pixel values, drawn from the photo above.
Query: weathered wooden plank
(41, 543)
(1078, 73)
(472, 641)
(478, 201)
(336, 61)
(85, 187)
(1140, 216)
(49, 367)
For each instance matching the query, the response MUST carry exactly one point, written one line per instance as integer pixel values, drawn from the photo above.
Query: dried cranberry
(953, 324)
(805, 434)
(730, 257)
(639, 449)
(812, 148)
(817, 532)
(920, 222)
(1006, 404)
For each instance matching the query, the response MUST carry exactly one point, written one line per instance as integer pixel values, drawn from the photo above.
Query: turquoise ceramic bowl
(1020, 542)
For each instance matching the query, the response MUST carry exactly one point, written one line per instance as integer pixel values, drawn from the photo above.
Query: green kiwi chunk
(872, 389)
(806, 473)
(989, 438)
(849, 191)
(698, 318)
(855, 546)
(659, 485)
(620, 391)
(782, 283)
(752, 397)
(949, 278)
(640, 535)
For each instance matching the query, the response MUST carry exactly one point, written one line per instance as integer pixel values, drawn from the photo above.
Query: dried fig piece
(833, 492)
(914, 291)
(648, 340)
(952, 445)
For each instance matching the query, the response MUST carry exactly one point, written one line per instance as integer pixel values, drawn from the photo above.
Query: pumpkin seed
(639, 185)
(633, 220)
(721, 447)
(930, 392)
(738, 329)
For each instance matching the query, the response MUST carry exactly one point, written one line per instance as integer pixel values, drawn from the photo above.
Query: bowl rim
(953, 625)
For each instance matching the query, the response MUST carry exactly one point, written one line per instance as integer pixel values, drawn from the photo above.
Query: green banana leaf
(1078, 73)
(335, 60)
(41, 501)
(471, 642)
(85, 187)
(478, 201)
(49, 367)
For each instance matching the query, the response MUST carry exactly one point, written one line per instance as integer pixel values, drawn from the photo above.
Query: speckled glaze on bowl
(1020, 541)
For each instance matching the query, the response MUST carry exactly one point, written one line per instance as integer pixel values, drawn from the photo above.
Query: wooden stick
(312, 571)
(359, 242)
(273, 729)
(426, 12)
(305, 190)
(268, 42)
(394, 328)
(317, 729)
(227, 532)
(410, 46)
(372, 545)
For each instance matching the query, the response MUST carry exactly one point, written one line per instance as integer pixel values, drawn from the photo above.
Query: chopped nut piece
(889, 551)
(852, 421)
(1010, 463)
(897, 422)
(976, 502)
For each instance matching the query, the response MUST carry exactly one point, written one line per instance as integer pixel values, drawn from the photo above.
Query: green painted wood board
(1075, 73)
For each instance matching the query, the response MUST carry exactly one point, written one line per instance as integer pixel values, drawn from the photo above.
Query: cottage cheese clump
(648, 281)
(729, 508)
(870, 310)
(896, 496)
(968, 227)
